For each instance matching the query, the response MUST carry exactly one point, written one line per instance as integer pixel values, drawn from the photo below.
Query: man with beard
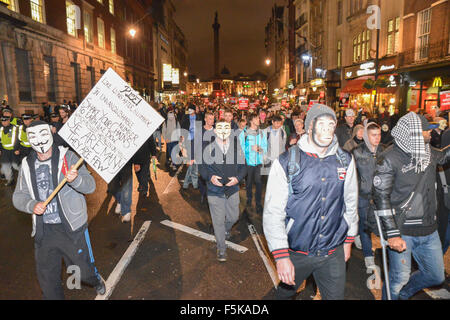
(404, 193)
(310, 211)
(223, 168)
(60, 227)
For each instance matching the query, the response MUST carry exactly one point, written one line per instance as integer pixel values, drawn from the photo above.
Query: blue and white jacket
(321, 213)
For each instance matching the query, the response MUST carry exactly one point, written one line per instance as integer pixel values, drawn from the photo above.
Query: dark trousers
(254, 176)
(143, 175)
(170, 146)
(56, 245)
(328, 272)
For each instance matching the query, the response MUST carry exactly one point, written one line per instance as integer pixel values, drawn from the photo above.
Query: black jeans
(74, 249)
(328, 272)
(143, 176)
(254, 176)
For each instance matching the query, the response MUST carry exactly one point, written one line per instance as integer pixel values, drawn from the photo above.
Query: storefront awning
(355, 86)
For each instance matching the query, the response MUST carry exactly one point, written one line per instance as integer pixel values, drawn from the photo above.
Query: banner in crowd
(445, 100)
(110, 125)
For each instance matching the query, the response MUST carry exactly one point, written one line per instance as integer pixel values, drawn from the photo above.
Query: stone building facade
(58, 50)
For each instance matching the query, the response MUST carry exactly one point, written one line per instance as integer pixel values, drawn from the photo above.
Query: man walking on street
(310, 212)
(59, 228)
(254, 145)
(345, 131)
(223, 168)
(405, 200)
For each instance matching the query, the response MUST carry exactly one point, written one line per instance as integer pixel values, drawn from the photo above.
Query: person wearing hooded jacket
(405, 200)
(169, 129)
(356, 139)
(366, 155)
(310, 229)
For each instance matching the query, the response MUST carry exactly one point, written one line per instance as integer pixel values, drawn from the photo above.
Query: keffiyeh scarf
(408, 136)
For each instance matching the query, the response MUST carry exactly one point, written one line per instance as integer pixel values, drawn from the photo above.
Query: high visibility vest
(8, 139)
(23, 138)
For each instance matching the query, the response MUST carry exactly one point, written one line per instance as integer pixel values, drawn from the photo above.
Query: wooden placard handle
(61, 184)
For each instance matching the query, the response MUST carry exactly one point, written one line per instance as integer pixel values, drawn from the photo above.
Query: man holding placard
(60, 226)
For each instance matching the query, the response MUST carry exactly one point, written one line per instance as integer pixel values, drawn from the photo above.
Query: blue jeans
(170, 146)
(427, 252)
(121, 188)
(157, 135)
(447, 237)
(366, 240)
(191, 176)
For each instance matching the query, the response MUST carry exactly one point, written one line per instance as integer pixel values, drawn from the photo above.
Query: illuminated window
(37, 10)
(101, 33)
(361, 46)
(111, 6)
(100, 1)
(393, 35)
(113, 40)
(88, 35)
(12, 5)
(71, 18)
(423, 34)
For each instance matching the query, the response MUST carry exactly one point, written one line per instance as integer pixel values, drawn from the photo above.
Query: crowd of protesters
(326, 175)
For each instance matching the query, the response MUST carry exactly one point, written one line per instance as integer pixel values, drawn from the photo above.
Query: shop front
(362, 91)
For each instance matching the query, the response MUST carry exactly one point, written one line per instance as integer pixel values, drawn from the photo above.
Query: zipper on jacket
(407, 202)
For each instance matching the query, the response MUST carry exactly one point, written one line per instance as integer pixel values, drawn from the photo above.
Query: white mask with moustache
(40, 137)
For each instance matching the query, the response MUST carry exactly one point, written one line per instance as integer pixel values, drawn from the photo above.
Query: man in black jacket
(366, 155)
(142, 163)
(405, 200)
(223, 168)
(344, 132)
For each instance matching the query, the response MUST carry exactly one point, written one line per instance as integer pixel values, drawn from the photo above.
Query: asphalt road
(169, 264)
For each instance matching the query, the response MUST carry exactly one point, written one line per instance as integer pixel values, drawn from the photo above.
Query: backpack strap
(293, 165)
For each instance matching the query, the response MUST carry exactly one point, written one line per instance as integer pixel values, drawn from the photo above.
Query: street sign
(110, 125)
(445, 100)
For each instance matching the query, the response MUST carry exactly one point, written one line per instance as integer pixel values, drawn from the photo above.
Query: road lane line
(174, 178)
(441, 294)
(270, 269)
(118, 271)
(202, 235)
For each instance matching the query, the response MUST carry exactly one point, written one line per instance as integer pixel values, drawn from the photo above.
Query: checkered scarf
(408, 136)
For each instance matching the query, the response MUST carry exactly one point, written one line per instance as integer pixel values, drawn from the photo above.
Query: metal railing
(431, 52)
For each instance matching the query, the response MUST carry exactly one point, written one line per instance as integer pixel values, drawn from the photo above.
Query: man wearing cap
(7, 112)
(404, 194)
(345, 131)
(9, 149)
(310, 211)
(25, 146)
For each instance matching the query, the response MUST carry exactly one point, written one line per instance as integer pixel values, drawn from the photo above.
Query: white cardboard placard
(110, 125)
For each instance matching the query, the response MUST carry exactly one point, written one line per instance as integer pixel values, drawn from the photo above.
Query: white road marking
(172, 181)
(118, 271)
(270, 269)
(441, 294)
(202, 235)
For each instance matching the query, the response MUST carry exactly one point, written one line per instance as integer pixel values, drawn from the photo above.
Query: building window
(23, 74)
(361, 46)
(111, 6)
(423, 34)
(91, 72)
(37, 10)
(88, 34)
(339, 12)
(101, 33)
(113, 40)
(339, 53)
(49, 77)
(12, 5)
(71, 18)
(393, 35)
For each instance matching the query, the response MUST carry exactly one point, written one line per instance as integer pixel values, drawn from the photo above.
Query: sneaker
(101, 287)
(370, 262)
(358, 243)
(221, 255)
(117, 211)
(126, 218)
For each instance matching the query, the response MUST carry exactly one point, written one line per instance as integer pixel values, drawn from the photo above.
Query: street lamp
(132, 32)
(185, 74)
(268, 61)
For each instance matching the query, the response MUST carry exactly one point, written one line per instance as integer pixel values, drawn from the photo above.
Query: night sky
(242, 25)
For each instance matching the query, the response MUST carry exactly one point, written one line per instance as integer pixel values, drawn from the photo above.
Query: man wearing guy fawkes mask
(223, 168)
(310, 212)
(60, 228)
